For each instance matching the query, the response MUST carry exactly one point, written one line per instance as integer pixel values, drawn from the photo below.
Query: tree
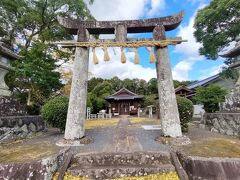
(152, 86)
(149, 100)
(93, 82)
(142, 87)
(34, 78)
(34, 24)
(210, 97)
(177, 83)
(37, 19)
(217, 25)
(96, 97)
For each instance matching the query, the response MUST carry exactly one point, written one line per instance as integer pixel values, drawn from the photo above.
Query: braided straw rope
(127, 44)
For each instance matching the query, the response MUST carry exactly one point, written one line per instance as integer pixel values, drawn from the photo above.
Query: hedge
(185, 108)
(54, 112)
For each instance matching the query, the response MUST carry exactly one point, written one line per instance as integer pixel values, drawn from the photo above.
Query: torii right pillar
(169, 116)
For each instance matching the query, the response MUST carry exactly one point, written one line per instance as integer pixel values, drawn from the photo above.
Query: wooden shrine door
(124, 108)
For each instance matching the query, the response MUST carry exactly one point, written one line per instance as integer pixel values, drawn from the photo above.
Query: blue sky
(186, 63)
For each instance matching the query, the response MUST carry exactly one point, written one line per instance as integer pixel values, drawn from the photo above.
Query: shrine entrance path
(124, 137)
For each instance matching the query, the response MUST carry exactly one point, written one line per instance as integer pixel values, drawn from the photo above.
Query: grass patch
(160, 176)
(27, 152)
(100, 123)
(214, 147)
(143, 121)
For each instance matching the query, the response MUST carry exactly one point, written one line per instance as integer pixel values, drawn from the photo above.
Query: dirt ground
(209, 144)
(204, 143)
(43, 144)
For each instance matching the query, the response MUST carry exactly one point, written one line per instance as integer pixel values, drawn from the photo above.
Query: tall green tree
(210, 97)
(217, 25)
(34, 78)
(32, 25)
(28, 20)
(97, 97)
(152, 86)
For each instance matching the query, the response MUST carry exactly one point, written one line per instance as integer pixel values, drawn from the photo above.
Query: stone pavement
(122, 138)
(121, 151)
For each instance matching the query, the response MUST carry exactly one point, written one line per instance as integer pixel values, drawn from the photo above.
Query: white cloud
(117, 9)
(189, 50)
(115, 68)
(191, 47)
(156, 7)
(121, 10)
(205, 73)
(180, 71)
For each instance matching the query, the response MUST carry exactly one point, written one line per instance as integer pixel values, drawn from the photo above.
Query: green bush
(185, 108)
(54, 112)
(210, 97)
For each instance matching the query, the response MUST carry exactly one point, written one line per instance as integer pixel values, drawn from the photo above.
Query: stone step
(110, 172)
(121, 159)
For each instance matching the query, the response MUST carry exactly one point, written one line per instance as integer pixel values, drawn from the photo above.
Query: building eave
(8, 53)
(232, 53)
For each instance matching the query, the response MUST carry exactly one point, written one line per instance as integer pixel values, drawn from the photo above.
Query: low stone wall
(10, 106)
(17, 127)
(39, 169)
(210, 168)
(224, 123)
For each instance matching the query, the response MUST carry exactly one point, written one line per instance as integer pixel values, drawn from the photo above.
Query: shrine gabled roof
(203, 82)
(233, 52)
(182, 88)
(123, 94)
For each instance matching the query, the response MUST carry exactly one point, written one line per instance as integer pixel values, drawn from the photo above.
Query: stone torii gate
(169, 115)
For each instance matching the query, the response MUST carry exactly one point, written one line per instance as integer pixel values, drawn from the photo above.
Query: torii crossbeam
(167, 100)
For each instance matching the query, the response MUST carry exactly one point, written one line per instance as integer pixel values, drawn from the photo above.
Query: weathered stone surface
(232, 101)
(210, 168)
(116, 165)
(24, 128)
(10, 106)
(133, 26)
(78, 98)
(224, 123)
(32, 127)
(42, 169)
(169, 115)
(15, 127)
(121, 159)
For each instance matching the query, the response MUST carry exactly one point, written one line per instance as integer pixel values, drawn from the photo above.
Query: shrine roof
(133, 26)
(123, 94)
(7, 52)
(233, 52)
(179, 88)
(203, 82)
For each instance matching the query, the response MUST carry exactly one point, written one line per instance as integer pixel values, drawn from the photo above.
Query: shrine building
(124, 102)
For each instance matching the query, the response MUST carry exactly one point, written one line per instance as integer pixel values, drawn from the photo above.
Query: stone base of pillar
(68, 143)
(4, 92)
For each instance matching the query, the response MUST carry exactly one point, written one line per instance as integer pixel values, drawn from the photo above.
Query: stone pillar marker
(169, 115)
(78, 97)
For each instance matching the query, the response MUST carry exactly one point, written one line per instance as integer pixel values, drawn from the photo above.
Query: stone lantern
(6, 55)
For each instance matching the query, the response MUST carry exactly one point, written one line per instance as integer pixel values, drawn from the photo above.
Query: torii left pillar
(78, 98)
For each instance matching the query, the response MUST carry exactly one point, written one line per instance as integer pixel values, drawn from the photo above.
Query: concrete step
(110, 172)
(122, 159)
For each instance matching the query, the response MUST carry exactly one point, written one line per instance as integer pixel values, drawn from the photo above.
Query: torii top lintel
(133, 26)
